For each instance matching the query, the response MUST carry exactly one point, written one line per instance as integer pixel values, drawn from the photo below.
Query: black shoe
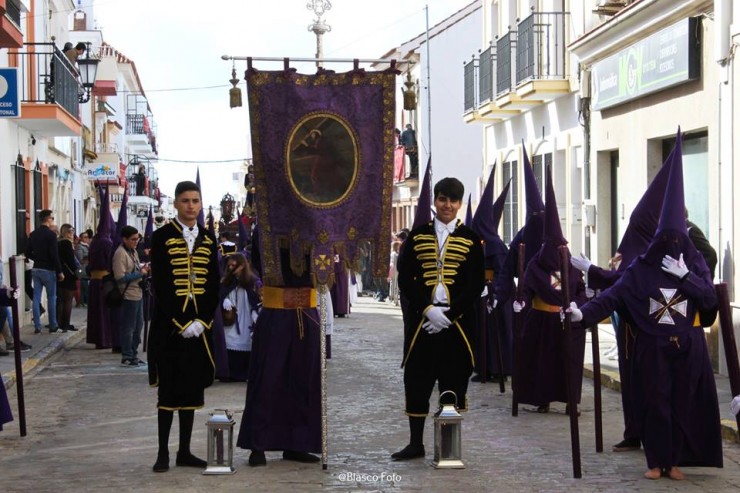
(189, 460)
(543, 409)
(24, 347)
(299, 456)
(257, 458)
(162, 464)
(54, 330)
(410, 452)
(3, 352)
(627, 445)
(71, 328)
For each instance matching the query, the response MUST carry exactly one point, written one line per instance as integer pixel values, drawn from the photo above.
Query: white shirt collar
(440, 227)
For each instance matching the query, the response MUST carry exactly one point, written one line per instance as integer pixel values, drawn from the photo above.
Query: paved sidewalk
(45, 346)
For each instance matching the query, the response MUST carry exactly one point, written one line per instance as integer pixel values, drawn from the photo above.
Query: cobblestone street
(92, 427)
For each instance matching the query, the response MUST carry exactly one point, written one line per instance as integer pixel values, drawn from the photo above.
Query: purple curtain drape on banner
(323, 155)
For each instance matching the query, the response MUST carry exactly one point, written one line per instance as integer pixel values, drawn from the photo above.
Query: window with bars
(19, 179)
(539, 166)
(511, 205)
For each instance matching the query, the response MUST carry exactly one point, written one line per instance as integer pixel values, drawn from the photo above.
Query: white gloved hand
(590, 293)
(518, 306)
(227, 305)
(580, 262)
(436, 315)
(432, 328)
(15, 293)
(735, 405)
(675, 267)
(575, 314)
(254, 317)
(194, 330)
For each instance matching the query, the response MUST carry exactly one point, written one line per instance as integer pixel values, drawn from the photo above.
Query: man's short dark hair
(128, 231)
(80, 46)
(449, 187)
(186, 186)
(402, 235)
(224, 234)
(43, 215)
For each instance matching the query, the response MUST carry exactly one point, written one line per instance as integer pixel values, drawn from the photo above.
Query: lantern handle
(448, 392)
(226, 412)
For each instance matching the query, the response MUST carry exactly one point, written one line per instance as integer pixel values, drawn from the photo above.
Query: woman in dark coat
(68, 286)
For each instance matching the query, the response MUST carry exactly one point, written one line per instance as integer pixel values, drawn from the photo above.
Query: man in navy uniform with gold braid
(440, 272)
(185, 281)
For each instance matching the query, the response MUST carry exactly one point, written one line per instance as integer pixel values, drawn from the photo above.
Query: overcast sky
(178, 45)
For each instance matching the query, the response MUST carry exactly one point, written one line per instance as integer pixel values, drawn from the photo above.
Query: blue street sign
(10, 101)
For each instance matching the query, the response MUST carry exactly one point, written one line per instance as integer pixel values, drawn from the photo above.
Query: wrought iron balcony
(505, 52)
(541, 47)
(469, 95)
(48, 77)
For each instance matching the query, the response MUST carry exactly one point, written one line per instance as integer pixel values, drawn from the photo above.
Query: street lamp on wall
(88, 68)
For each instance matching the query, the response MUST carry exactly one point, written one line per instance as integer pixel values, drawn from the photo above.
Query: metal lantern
(220, 448)
(448, 435)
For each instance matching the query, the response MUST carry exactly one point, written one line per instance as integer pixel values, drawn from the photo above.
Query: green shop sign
(664, 59)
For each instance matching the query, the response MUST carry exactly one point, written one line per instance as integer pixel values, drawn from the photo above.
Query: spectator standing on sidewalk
(66, 287)
(129, 272)
(82, 253)
(47, 269)
(6, 297)
(185, 281)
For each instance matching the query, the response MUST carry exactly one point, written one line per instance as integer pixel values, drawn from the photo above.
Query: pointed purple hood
(469, 212)
(105, 222)
(201, 215)
(549, 257)
(482, 222)
(149, 229)
(644, 218)
(672, 236)
(424, 205)
(532, 232)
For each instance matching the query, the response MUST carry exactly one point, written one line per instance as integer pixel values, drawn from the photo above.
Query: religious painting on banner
(322, 147)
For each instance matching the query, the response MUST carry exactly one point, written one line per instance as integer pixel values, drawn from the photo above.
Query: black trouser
(443, 358)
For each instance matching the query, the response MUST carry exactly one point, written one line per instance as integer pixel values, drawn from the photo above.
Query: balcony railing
(106, 147)
(469, 85)
(540, 49)
(49, 77)
(505, 48)
(486, 75)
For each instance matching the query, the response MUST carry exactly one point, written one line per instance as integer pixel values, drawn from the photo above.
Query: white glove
(436, 315)
(675, 267)
(575, 314)
(194, 330)
(254, 317)
(735, 405)
(431, 328)
(227, 305)
(580, 262)
(590, 293)
(518, 306)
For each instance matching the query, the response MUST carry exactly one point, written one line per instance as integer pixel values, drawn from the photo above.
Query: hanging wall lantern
(409, 95)
(448, 435)
(235, 94)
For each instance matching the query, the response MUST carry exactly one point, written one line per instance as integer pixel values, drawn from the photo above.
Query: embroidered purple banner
(322, 146)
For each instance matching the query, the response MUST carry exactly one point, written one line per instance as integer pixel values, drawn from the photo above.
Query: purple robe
(6, 416)
(542, 376)
(673, 387)
(99, 330)
(340, 290)
(283, 406)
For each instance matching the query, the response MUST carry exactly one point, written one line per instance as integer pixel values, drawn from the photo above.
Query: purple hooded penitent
(424, 205)
(99, 329)
(201, 215)
(469, 212)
